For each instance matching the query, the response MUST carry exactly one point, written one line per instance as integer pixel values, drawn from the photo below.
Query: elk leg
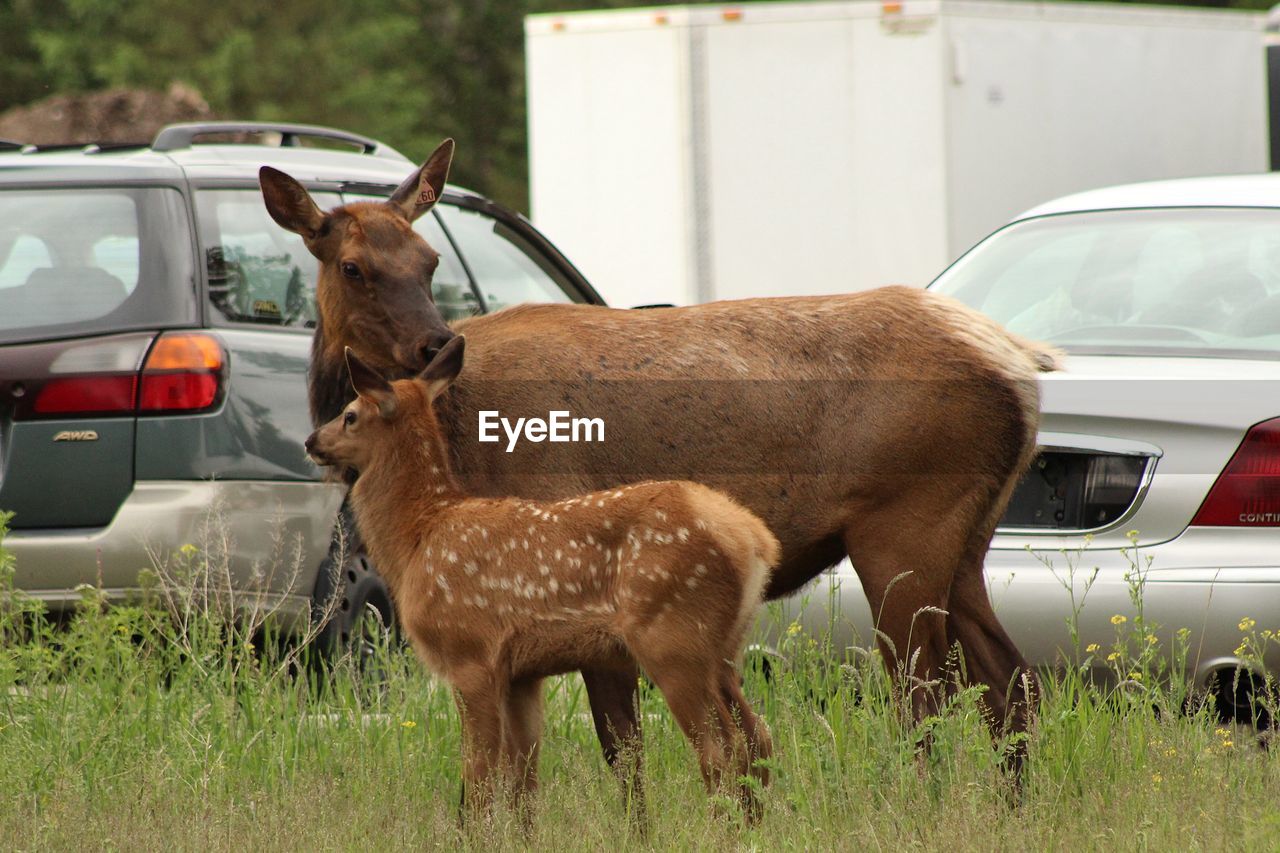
(523, 729)
(615, 712)
(907, 574)
(691, 694)
(759, 741)
(740, 746)
(481, 708)
(991, 657)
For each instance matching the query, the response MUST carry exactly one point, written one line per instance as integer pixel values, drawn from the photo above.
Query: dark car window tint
(450, 287)
(507, 269)
(258, 271)
(87, 260)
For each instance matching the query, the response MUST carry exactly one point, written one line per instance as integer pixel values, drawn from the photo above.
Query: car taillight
(1247, 493)
(183, 373)
(87, 395)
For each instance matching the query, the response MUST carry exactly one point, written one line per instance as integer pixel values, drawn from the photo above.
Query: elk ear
(370, 385)
(421, 190)
(289, 203)
(445, 367)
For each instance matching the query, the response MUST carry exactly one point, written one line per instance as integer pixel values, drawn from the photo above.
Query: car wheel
(355, 600)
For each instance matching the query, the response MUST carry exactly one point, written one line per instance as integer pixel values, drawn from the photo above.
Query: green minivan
(155, 330)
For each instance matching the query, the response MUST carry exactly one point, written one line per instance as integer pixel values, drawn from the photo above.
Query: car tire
(363, 616)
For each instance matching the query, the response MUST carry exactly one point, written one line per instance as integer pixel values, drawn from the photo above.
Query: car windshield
(90, 260)
(1195, 281)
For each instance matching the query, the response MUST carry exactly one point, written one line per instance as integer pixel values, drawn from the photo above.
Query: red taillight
(183, 372)
(1247, 493)
(82, 395)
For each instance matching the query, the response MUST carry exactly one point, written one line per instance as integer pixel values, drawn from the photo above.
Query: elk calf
(498, 593)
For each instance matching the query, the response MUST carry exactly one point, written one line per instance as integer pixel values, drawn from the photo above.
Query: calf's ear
(289, 203)
(445, 367)
(370, 385)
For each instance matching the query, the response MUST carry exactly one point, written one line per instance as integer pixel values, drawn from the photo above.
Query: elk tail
(1046, 359)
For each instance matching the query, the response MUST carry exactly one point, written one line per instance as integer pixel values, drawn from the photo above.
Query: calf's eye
(350, 270)
(349, 418)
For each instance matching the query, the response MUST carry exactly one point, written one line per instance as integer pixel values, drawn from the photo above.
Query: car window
(506, 268)
(450, 286)
(258, 271)
(27, 253)
(89, 260)
(1193, 280)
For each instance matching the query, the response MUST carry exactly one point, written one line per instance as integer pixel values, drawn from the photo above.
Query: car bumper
(263, 541)
(1207, 581)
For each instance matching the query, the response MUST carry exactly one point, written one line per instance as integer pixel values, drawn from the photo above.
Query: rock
(113, 115)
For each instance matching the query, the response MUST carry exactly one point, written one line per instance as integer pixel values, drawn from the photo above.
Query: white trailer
(692, 153)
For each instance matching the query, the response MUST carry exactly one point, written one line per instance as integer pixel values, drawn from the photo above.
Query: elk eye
(349, 418)
(350, 270)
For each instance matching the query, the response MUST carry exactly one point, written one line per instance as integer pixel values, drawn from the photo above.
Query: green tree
(406, 71)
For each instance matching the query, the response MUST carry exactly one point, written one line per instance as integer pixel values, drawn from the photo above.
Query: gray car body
(233, 482)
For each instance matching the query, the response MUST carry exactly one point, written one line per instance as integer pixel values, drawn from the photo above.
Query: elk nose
(310, 444)
(430, 345)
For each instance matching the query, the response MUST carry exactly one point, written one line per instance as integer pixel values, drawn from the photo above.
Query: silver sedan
(1152, 516)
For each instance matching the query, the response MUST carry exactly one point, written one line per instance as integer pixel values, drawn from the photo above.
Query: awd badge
(77, 435)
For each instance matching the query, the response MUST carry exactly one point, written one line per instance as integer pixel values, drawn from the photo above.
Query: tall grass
(149, 727)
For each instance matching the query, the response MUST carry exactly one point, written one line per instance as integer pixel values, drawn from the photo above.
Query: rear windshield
(1189, 281)
(81, 261)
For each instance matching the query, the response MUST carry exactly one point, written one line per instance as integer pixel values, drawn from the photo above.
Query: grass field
(155, 727)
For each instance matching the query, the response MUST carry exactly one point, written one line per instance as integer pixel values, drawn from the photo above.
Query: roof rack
(82, 147)
(179, 136)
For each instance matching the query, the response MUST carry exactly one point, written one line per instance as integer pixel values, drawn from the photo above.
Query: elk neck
(404, 493)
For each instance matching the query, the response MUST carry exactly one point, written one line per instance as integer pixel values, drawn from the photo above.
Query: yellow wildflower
(1227, 744)
(1151, 639)
(1221, 732)
(1119, 619)
(793, 629)
(1246, 624)
(1157, 778)
(1113, 656)
(1135, 676)
(408, 724)
(1091, 648)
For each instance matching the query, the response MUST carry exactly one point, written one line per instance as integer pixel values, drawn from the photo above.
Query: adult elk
(889, 425)
(498, 593)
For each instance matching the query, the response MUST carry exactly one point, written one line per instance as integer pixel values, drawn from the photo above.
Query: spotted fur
(497, 593)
